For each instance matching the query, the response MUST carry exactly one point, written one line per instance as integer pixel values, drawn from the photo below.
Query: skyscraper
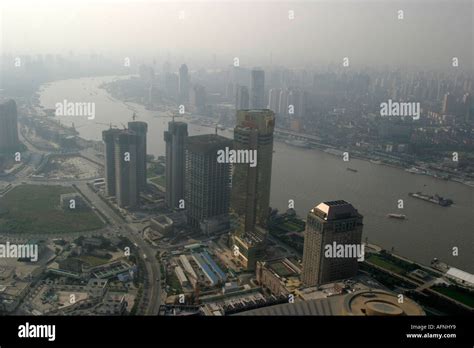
(296, 100)
(465, 107)
(110, 178)
(171, 86)
(328, 223)
(126, 190)
(175, 138)
(207, 183)
(8, 126)
(140, 129)
(449, 102)
(257, 89)
(251, 185)
(241, 98)
(183, 84)
(198, 98)
(274, 99)
(283, 103)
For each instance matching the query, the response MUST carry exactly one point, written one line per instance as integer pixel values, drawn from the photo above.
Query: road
(151, 298)
(147, 253)
(152, 294)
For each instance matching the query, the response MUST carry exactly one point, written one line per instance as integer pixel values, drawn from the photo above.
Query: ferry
(397, 216)
(436, 199)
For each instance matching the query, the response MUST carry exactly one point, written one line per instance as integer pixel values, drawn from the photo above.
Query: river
(310, 176)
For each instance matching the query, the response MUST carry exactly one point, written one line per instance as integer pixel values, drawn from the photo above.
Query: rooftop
(364, 303)
(460, 274)
(335, 210)
(207, 143)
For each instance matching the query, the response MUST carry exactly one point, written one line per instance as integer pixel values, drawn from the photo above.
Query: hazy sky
(368, 32)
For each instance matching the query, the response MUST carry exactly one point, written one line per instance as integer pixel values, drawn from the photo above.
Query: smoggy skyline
(262, 33)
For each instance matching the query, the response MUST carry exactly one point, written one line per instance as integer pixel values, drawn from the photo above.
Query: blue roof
(206, 269)
(213, 265)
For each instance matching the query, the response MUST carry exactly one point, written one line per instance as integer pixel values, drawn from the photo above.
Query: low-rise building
(279, 276)
(162, 224)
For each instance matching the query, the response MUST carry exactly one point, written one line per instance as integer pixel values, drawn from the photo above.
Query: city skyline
(300, 159)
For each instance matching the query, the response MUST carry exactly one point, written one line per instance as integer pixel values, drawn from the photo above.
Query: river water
(310, 176)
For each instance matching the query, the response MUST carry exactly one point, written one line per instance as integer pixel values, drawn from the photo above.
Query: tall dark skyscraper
(250, 198)
(127, 191)
(257, 89)
(110, 178)
(175, 138)
(207, 183)
(328, 223)
(251, 185)
(241, 98)
(140, 128)
(184, 85)
(8, 126)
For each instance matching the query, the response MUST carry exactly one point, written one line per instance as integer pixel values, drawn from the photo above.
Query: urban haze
(168, 158)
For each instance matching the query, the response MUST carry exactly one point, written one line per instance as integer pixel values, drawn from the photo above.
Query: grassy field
(35, 209)
(291, 226)
(462, 296)
(379, 261)
(160, 180)
(93, 261)
(173, 282)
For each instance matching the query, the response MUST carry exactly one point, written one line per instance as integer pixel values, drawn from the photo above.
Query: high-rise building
(172, 86)
(183, 84)
(274, 99)
(110, 178)
(198, 98)
(8, 126)
(296, 103)
(126, 190)
(241, 98)
(257, 89)
(251, 185)
(449, 102)
(229, 91)
(328, 223)
(208, 183)
(175, 138)
(283, 103)
(140, 129)
(466, 106)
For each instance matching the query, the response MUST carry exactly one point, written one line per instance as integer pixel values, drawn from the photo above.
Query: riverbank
(308, 177)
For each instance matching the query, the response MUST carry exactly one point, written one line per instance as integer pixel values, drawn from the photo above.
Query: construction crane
(107, 124)
(173, 115)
